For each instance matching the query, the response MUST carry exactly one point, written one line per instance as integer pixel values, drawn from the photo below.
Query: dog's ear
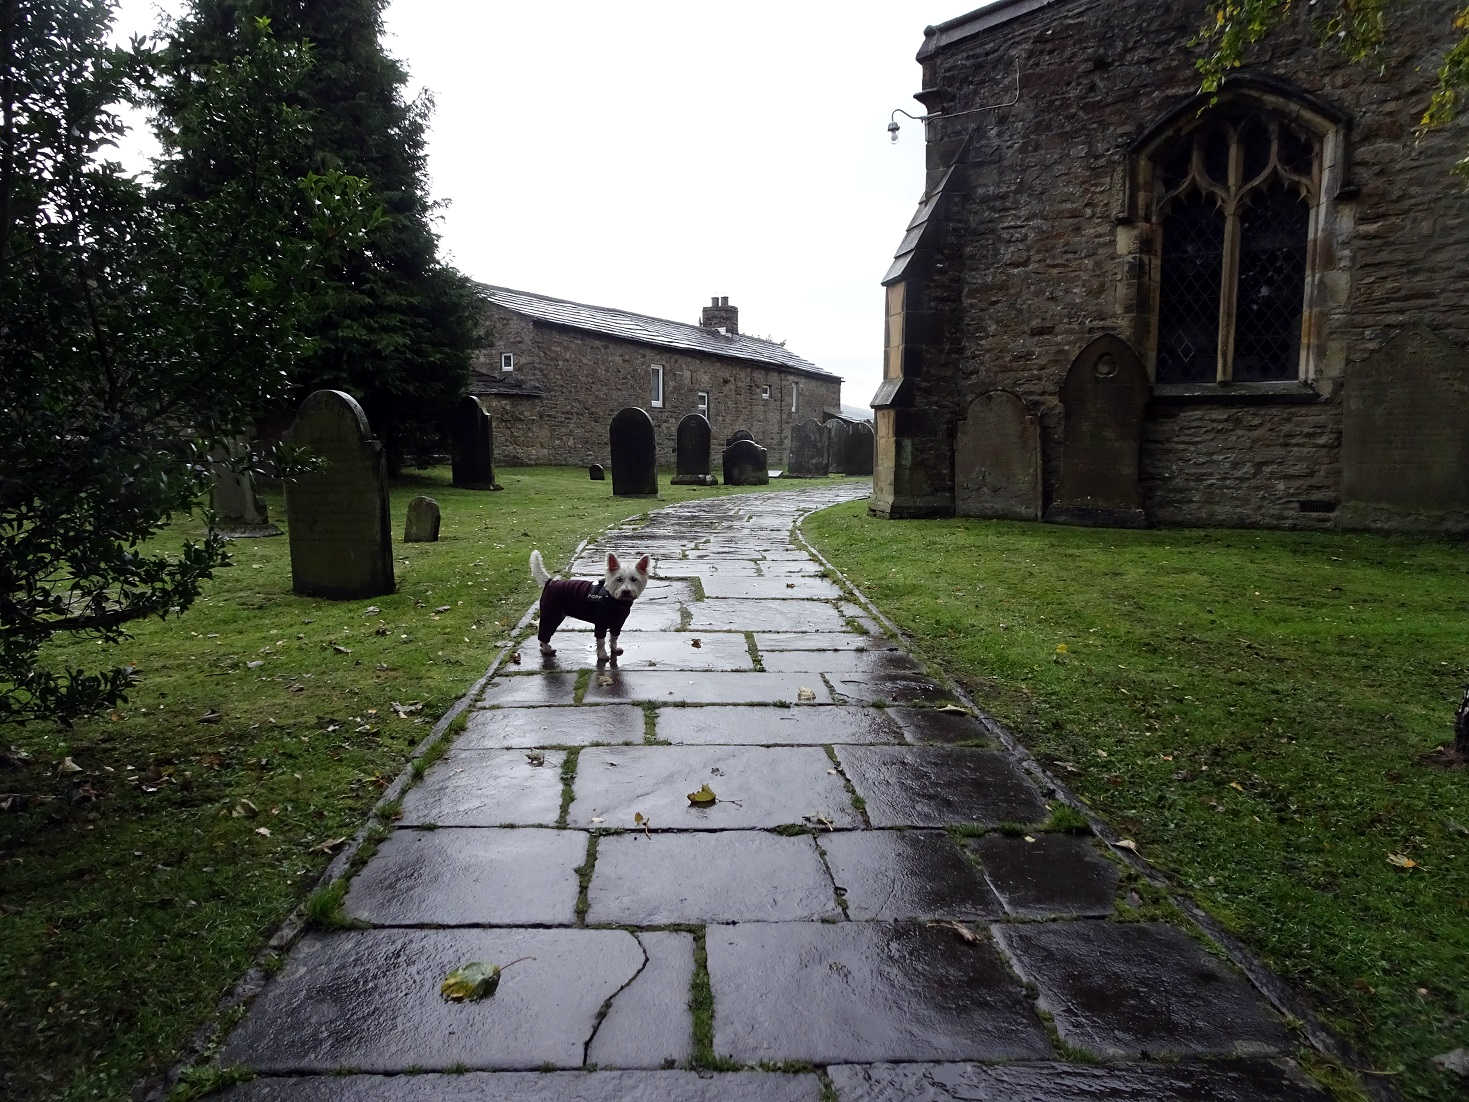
(643, 565)
(611, 562)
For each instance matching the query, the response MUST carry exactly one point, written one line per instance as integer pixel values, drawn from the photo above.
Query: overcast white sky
(652, 154)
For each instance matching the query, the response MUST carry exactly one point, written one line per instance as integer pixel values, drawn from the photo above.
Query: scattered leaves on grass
(1401, 861)
(704, 797)
(68, 766)
(474, 981)
(403, 711)
(329, 845)
(371, 610)
(962, 932)
(340, 649)
(210, 716)
(1127, 843)
(264, 832)
(441, 609)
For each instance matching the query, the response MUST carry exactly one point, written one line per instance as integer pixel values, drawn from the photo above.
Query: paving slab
(369, 1000)
(776, 587)
(503, 728)
(530, 689)
(663, 650)
(550, 1086)
(939, 786)
(637, 1028)
(672, 686)
(886, 687)
(848, 991)
(766, 641)
(933, 725)
(1119, 990)
(906, 874)
(748, 568)
(875, 661)
(770, 726)
(735, 614)
(725, 876)
(487, 788)
(1057, 874)
(1233, 1081)
(461, 876)
(757, 787)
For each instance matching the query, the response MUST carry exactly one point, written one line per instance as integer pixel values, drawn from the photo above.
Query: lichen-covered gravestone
(693, 452)
(341, 546)
(861, 447)
(745, 464)
(997, 459)
(738, 434)
(808, 456)
(839, 435)
(422, 525)
(634, 454)
(474, 446)
(597, 473)
(1105, 392)
(237, 504)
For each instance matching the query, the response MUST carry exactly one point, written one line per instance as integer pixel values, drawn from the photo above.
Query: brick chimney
(719, 314)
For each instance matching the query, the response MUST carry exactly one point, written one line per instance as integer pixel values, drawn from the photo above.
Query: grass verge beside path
(1257, 710)
(138, 889)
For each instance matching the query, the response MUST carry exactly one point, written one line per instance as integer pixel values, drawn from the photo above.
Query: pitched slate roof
(645, 330)
(976, 22)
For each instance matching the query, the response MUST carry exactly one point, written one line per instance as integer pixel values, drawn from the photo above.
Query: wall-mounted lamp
(893, 118)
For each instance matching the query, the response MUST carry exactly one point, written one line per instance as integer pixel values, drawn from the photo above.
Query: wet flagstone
(369, 1000)
(551, 1086)
(727, 876)
(663, 650)
(711, 688)
(773, 587)
(487, 788)
(735, 614)
(756, 787)
(497, 728)
(556, 687)
(843, 663)
(637, 1031)
(470, 876)
(1057, 874)
(1232, 1081)
(848, 991)
(1140, 989)
(932, 725)
(939, 786)
(818, 640)
(767, 726)
(902, 874)
(886, 687)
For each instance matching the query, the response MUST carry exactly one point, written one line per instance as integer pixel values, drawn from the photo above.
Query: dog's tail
(538, 569)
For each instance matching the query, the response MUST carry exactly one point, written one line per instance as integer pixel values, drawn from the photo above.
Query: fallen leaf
(340, 649)
(210, 716)
(790, 585)
(264, 832)
(296, 688)
(535, 757)
(441, 608)
(515, 658)
(598, 819)
(254, 665)
(695, 644)
(1401, 861)
(370, 609)
(954, 710)
(244, 808)
(804, 694)
(964, 933)
(604, 679)
(473, 981)
(705, 797)
(1127, 843)
(68, 766)
(1029, 838)
(1062, 648)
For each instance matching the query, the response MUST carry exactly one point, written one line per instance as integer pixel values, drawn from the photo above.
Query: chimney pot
(720, 316)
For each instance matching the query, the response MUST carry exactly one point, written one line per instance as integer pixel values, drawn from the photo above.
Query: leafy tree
(389, 323)
(1356, 27)
(135, 337)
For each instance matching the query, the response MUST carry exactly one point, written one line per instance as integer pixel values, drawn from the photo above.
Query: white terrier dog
(605, 604)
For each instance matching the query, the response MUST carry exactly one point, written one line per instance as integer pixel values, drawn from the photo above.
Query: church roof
(626, 326)
(976, 22)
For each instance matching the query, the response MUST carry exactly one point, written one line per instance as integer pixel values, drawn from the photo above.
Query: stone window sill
(1291, 391)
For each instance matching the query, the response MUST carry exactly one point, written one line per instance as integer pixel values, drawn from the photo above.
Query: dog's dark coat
(581, 600)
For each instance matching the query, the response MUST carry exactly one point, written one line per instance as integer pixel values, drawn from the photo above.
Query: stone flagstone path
(871, 909)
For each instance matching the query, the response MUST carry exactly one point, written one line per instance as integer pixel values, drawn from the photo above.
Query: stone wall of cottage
(1038, 254)
(573, 381)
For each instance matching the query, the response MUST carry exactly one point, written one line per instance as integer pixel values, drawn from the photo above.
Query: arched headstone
(597, 473)
(634, 454)
(1105, 393)
(738, 434)
(693, 452)
(808, 456)
(238, 506)
(997, 459)
(341, 546)
(474, 446)
(422, 525)
(745, 464)
(861, 444)
(839, 433)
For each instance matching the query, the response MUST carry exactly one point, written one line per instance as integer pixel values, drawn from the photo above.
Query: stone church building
(556, 371)
(1122, 302)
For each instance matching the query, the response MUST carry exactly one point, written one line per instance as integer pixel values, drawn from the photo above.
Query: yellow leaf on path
(704, 797)
(964, 933)
(696, 644)
(1401, 861)
(638, 818)
(804, 694)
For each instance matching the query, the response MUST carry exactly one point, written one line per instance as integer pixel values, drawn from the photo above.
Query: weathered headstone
(634, 454)
(997, 459)
(1104, 395)
(738, 434)
(1405, 447)
(745, 464)
(597, 473)
(238, 507)
(693, 452)
(474, 446)
(839, 434)
(422, 525)
(808, 453)
(341, 546)
(861, 446)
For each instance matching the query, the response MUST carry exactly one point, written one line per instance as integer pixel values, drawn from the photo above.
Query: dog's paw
(616, 651)
(547, 650)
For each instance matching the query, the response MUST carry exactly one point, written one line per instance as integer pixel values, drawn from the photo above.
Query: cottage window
(703, 402)
(507, 361)
(765, 392)
(656, 371)
(1237, 193)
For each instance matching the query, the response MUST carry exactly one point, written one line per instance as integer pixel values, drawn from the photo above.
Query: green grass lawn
(1255, 709)
(137, 890)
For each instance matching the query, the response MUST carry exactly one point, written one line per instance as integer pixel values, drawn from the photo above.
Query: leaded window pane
(1188, 309)
(1272, 279)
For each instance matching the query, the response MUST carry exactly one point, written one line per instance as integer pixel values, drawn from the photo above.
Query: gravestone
(341, 546)
(1405, 448)
(997, 459)
(745, 464)
(474, 446)
(860, 449)
(808, 453)
(634, 454)
(693, 452)
(422, 525)
(1104, 395)
(238, 507)
(597, 473)
(738, 434)
(839, 436)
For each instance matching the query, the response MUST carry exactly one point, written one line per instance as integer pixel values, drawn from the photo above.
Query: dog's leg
(602, 649)
(616, 650)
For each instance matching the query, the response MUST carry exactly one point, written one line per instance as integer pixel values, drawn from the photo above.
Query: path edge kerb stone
(205, 1039)
(1286, 1001)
